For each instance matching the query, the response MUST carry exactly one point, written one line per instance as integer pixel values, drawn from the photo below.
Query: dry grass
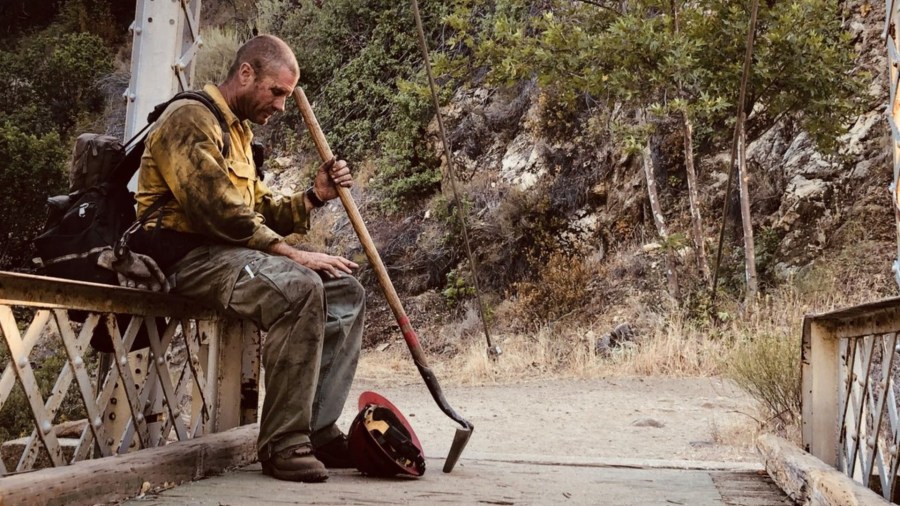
(215, 56)
(667, 343)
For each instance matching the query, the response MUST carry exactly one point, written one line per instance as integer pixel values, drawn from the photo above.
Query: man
(220, 240)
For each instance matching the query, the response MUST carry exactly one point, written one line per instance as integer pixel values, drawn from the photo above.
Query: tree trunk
(694, 199)
(746, 219)
(659, 221)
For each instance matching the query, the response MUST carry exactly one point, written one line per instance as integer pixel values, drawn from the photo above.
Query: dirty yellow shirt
(217, 197)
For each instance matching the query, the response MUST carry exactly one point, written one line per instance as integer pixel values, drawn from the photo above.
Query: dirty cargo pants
(314, 334)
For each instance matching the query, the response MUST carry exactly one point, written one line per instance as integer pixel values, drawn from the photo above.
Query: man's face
(266, 93)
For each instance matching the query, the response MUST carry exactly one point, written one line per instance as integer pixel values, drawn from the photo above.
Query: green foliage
(457, 288)
(361, 64)
(768, 367)
(31, 169)
(666, 57)
(408, 167)
(675, 242)
(50, 80)
(803, 64)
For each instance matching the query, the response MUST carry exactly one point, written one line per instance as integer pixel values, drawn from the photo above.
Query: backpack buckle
(121, 249)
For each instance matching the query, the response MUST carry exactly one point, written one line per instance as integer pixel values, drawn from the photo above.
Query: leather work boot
(295, 463)
(335, 454)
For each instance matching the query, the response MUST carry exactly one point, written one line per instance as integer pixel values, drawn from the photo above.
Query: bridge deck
(546, 442)
(478, 481)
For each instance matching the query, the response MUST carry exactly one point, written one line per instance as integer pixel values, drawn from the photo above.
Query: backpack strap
(205, 99)
(134, 147)
(121, 247)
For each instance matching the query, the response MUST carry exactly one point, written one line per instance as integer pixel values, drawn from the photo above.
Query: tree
(652, 60)
(49, 80)
(31, 169)
(362, 59)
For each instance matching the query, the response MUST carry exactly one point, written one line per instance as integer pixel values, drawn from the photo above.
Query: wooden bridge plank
(116, 478)
(808, 480)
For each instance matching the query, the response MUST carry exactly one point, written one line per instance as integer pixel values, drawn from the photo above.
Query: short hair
(265, 53)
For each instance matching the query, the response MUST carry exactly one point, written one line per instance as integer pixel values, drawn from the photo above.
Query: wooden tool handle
(359, 226)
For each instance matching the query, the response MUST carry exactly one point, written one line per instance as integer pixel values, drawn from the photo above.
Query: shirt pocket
(243, 176)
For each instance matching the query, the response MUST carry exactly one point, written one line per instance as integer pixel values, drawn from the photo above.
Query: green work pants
(314, 332)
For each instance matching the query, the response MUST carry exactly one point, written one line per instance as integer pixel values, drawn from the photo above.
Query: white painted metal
(202, 367)
(165, 377)
(860, 406)
(22, 367)
(74, 350)
(825, 369)
(166, 37)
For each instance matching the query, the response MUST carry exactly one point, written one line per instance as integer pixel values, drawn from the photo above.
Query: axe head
(460, 440)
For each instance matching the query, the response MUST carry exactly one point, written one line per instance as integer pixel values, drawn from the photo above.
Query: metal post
(166, 38)
(821, 372)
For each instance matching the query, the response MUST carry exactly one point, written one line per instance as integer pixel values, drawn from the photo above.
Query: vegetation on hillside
(606, 84)
(50, 75)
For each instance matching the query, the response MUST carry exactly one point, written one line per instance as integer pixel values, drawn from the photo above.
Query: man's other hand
(331, 266)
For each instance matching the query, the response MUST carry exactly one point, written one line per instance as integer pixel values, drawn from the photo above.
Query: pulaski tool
(461, 438)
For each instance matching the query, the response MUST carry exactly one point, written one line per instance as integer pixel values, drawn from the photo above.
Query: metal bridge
(185, 407)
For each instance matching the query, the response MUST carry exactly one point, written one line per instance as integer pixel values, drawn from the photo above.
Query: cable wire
(493, 351)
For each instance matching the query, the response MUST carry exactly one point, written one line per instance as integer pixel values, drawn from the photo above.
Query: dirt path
(621, 418)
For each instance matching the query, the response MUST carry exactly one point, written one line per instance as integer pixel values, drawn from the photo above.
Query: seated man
(220, 239)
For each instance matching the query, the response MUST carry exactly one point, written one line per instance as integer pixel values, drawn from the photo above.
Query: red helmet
(381, 441)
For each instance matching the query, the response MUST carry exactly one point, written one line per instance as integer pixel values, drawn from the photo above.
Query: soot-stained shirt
(214, 196)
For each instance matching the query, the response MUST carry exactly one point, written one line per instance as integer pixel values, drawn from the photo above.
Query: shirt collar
(213, 91)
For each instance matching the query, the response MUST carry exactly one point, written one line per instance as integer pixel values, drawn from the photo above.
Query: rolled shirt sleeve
(284, 214)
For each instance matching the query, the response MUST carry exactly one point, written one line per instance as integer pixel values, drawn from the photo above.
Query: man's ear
(246, 74)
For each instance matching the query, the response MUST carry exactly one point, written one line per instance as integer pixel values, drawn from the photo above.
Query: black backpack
(83, 223)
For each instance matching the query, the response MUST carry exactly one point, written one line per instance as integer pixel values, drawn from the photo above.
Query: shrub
(561, 288)
(362, 59)
(30, 171)
(768, 367)
(51, 80)
(457, 288)
(220, 44)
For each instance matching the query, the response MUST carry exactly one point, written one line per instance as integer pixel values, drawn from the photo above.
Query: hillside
(822, 221)
(552, 110)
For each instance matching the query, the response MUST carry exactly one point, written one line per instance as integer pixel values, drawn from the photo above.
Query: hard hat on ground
(382, 443)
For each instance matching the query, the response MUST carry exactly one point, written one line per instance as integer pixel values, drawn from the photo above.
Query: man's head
(263, 75)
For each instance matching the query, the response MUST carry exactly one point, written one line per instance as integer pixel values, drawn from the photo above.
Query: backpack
(93, 157)
(100, 208)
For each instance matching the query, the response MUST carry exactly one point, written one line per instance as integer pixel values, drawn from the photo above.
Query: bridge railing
(198, 376)
(850, 386)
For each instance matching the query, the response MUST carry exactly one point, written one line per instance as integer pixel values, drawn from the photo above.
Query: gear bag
(93, 158)
(100, 208)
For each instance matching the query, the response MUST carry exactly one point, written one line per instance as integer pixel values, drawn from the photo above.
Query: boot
(335, 454)
(295, 463)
